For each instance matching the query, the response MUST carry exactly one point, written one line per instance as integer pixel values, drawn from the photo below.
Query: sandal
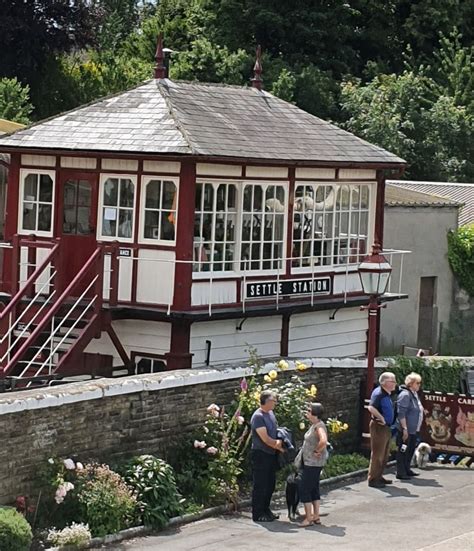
(305, 523)
(317, 521)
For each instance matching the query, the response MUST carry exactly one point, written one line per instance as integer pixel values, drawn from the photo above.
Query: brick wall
(114, 419)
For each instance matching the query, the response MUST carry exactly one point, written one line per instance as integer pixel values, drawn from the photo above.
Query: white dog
(422, 455)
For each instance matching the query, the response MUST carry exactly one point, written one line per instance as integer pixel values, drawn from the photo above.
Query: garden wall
(111, 420)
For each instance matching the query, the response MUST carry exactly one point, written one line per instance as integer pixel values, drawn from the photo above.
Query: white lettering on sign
(263, 289)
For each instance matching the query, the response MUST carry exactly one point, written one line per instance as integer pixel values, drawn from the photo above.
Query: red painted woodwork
(184, 237)
(76, 220)
(380, 206)
(179, 356)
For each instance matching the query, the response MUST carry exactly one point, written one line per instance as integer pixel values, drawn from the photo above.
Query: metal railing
(283, 270)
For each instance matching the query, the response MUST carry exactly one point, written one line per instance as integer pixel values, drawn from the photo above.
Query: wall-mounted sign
(265, 289)
(127, 253)
(449, 422)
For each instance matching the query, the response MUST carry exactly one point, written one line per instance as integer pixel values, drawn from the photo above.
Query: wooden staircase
(41, 336)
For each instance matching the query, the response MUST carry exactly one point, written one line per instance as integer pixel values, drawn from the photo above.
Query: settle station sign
(265, 289)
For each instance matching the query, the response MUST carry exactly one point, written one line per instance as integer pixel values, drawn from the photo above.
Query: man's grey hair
(386, 375)
(265, 395)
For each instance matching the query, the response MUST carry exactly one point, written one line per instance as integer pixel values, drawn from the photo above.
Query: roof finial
(257, 70)
(160, 69)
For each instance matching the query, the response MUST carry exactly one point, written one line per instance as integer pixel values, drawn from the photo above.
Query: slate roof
(396, 196)
(463, 194)
(174, 117)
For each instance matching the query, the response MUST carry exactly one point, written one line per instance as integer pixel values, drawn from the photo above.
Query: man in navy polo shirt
(382, 411)
(265, 445)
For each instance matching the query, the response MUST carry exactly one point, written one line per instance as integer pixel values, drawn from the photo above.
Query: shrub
(15, 532)
(77, 535)
(154, 482)
(106, 503)
(342, 464)
(461, 256)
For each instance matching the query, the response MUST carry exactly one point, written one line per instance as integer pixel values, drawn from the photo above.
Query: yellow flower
(282, 365)
(313, 390)
(267, 378)
(345, 426)
(256, 396)
(302, 425)
(300, 366)
(273, 374)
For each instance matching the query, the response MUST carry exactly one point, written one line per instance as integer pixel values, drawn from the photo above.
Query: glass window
(330, 224)
(214, 227)
(160, 210)
(77, 204)
(262, 227)
(117, 208)
(37, 202)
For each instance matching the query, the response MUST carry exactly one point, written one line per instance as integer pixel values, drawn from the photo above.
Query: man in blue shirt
(382, 411)
(264, 460)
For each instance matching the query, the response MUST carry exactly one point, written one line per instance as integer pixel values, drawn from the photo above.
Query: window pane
(109, 222)
(167, 227)
(257, 198)
(169, 196)
(29, 216)
(219, 232)
(30, 192)
(111, 191)
(127, 190)
(151, 225)
(44, 217)
(83, 226)
(125, 223)
(70, 190)
(84, 193)
(231, 197)
(46, 188)
(355, 197)
(198, 197)
(221, 197)
(278, 228)
(364, 197)
(208, 198)
(152, 200)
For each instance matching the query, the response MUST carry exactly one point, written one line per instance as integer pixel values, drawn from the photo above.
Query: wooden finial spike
(160, 69)
(257, 70)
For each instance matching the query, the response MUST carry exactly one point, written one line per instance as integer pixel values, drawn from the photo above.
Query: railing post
(114, 274)
(57, 263)
(31, 263)
(16, 253)
(99, 284)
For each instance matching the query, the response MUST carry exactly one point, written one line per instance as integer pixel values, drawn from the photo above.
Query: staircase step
(69, 322)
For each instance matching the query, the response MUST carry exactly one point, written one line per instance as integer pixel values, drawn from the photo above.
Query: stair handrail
(54, 308)
(30, 281)
(56, 329)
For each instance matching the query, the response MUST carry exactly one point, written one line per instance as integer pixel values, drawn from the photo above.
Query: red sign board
(449, 422)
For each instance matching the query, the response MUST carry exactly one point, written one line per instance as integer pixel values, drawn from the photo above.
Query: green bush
(15, 532)
(342, 464)
(106, 503)
(461, 256)
(437, 375)
(154, 482)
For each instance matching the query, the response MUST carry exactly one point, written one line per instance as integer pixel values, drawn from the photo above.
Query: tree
(424, 115)
(14, 101)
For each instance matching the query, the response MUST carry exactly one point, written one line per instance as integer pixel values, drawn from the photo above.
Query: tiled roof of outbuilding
(167, 117)
(462, 194)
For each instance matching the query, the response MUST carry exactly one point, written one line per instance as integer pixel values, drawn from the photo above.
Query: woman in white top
(314, 457)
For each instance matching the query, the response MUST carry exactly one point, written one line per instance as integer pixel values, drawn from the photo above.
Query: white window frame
(145, 180)
(104, 176)
(238, 272)
(227, 273)
(24, 172)
(346, 267)
(265, 184)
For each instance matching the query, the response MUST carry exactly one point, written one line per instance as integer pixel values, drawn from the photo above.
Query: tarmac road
(433, 512)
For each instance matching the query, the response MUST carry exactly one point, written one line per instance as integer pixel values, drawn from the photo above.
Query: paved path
(434, 512)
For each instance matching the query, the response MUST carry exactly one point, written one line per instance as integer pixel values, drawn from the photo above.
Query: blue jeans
(309, 484)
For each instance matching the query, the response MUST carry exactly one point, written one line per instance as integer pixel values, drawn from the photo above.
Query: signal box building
(176, 224)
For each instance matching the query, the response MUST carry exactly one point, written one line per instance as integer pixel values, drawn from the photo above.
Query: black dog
(292, 494)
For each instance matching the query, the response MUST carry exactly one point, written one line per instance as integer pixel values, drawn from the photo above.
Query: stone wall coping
(14, 402)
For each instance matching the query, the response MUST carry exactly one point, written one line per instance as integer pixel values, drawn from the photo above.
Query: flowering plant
(336, 426)
(77, 535)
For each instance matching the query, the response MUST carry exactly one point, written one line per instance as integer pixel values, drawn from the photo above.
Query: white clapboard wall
(140, 336)
(229, 344)
(315, 334)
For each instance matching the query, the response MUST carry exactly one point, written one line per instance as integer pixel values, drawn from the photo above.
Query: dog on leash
(292, 495)
(422, 455)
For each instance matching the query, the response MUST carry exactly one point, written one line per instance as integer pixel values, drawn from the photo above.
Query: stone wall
(114, 419)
